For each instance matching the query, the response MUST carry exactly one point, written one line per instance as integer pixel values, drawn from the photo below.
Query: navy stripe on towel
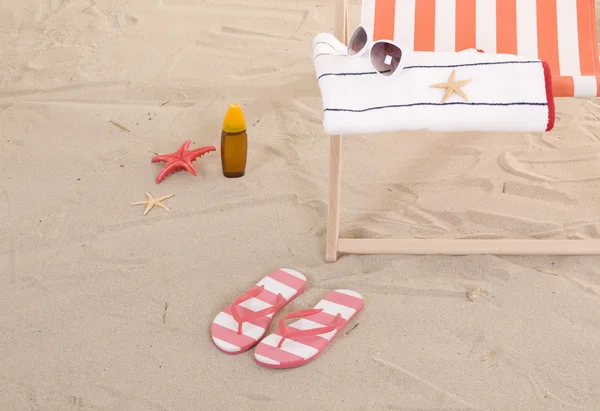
(454, 103)
(487, 63)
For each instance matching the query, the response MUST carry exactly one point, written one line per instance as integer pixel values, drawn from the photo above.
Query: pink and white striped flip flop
(241, 324)
(301, 341)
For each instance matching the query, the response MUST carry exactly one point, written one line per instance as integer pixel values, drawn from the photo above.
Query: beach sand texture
(102, 308)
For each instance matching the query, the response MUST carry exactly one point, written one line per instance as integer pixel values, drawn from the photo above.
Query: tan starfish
(452, 86)
(151, 202)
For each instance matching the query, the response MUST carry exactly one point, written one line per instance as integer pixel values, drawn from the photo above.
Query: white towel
(506, 92)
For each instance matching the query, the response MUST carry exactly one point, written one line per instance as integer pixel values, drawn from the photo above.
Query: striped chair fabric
(561, 32)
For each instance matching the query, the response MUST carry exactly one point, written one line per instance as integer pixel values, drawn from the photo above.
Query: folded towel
(504, 92)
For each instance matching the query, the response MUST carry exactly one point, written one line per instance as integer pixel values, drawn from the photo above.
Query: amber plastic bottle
(234, 143)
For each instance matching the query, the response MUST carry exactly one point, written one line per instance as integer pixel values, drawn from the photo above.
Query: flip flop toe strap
(286, 333)
(253, 292)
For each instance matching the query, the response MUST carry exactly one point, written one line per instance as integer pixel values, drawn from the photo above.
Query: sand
(102, 308)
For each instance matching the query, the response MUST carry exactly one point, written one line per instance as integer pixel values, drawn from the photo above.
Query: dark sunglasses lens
(358, 41)
(386, 58)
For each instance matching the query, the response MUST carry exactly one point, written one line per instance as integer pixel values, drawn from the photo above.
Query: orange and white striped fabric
(561, 32)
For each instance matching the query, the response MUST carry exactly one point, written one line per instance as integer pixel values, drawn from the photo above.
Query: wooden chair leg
(341, 21)
(333, 209)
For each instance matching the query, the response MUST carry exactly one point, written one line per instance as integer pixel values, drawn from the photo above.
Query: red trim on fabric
(479, 50)
(549, 96)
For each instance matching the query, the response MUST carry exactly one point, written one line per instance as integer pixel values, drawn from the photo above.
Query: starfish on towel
(180, 160)
(151, 202)
(452, 86)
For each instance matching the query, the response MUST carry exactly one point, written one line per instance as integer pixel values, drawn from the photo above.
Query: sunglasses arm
(341, 21)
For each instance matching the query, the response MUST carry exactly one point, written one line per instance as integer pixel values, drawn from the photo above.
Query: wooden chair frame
(336, 245)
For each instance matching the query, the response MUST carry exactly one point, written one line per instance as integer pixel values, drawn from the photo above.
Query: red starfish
(180, 160)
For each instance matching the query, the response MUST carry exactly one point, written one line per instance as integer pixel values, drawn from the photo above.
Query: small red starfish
(180, 160)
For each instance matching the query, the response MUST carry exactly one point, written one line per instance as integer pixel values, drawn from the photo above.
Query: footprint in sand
(116, 17)
(45, 9)
(558, 165)
(53, 57)
(12, 67)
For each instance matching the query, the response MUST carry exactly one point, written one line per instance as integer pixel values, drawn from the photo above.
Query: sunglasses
(387, 56)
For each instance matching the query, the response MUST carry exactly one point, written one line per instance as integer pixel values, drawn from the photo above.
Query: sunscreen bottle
(234, 142)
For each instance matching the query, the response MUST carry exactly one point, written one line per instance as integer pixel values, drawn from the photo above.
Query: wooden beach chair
(561, 32)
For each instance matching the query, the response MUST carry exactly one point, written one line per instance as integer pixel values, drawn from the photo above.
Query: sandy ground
(102, 308)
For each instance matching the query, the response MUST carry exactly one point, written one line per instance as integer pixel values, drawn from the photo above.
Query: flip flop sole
(224, 328)
(297, 351)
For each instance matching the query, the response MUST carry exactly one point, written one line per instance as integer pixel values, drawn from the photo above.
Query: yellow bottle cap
(234, 121)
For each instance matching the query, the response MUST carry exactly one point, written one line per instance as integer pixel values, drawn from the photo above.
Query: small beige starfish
(151, 202)
(452, 86)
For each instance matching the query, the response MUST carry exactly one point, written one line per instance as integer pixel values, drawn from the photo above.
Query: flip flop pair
(242, 324)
